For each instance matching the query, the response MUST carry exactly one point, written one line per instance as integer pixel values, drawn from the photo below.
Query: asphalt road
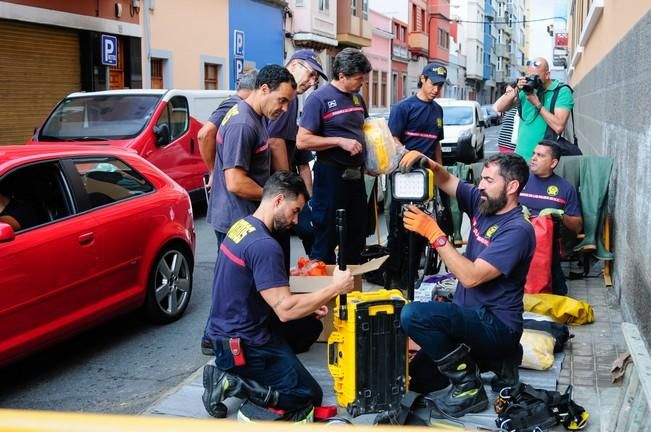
(126, 364)
(121, 367)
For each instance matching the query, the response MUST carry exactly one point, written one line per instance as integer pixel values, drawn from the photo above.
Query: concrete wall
(614, 119)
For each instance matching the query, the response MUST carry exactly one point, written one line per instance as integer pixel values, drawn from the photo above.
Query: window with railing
(211, 76)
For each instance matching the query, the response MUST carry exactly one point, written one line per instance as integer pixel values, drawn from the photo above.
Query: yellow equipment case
(367, 352)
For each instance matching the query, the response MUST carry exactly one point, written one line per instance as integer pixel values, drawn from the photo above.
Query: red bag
(539, 278)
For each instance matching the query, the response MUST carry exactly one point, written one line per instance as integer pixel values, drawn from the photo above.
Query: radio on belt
(415, 186)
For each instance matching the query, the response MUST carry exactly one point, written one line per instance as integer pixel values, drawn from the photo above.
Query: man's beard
(490, 206)
(282, 224)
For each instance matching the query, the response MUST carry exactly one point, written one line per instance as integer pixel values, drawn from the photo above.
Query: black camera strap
(552, 105)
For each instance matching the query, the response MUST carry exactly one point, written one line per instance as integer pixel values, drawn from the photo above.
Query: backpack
(522, 408)
(567, 148)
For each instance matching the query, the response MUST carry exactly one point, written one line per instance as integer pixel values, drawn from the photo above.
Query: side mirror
(162, 131)
(6, 232)
(482, 123)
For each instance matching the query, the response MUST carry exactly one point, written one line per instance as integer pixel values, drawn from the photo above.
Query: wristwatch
(539, 107)
(440, 242)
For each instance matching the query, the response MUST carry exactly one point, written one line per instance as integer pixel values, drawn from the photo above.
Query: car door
(177, 153)
(126, 209)
(50, 273)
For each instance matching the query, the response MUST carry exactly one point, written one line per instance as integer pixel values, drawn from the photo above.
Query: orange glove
(412, 158)
(419, 222)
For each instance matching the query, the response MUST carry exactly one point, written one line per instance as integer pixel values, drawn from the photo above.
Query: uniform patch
(231, 112)
(490, 231)
(439, 122)
(239, 230)
(332, 103)
(552, 190)
(356, 100)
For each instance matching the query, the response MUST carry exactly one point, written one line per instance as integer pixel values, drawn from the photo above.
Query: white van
(160, 125)
(464, 128)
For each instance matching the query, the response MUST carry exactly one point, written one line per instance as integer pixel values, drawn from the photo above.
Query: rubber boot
(467, 394)
(506, 370)
(219, 385)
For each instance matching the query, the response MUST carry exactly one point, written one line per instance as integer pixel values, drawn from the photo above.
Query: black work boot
(467, 393)
(219, 385)
(215, 385)
(506, 370)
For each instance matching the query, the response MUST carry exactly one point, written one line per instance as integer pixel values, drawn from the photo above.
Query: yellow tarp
(562, 309)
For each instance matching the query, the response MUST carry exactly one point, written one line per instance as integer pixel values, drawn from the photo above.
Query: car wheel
(169, 286)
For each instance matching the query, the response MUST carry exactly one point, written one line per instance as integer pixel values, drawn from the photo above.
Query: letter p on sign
(109, 50)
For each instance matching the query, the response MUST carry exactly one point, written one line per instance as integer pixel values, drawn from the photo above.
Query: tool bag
(522, 408)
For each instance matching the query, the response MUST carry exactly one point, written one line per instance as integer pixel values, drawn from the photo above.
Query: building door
(39, 66)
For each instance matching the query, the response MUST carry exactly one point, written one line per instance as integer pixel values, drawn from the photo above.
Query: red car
(85, 234)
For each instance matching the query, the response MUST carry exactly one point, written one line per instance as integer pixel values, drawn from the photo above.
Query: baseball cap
(436, 73)
(311, 57)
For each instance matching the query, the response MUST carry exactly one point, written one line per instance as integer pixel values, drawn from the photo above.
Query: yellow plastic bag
(537, 349)
(562, 309)
(381, 150)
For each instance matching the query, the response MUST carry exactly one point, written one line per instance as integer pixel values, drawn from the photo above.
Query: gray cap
(247, 81)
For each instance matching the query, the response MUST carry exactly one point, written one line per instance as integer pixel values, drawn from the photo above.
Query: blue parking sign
(238, 43)
(239, 68)
(109, 50)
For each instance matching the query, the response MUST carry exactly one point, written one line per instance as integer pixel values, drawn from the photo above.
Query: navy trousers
(331, 192)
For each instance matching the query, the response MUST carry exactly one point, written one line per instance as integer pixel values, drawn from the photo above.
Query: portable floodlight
(416, 186)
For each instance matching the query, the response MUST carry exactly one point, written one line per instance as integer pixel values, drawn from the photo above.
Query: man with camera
(538, 120)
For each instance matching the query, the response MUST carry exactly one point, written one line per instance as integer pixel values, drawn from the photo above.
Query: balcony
(418, 43)
(353, 31)
(400, 51)
(515, 60)
(500, 76)
(501, 50)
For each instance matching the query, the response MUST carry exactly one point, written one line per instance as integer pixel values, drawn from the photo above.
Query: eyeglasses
(534, 63)
(313, 74)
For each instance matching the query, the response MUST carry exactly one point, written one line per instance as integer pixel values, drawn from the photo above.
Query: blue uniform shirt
(417, 124)
(507, 242)
(329, 112)
(551, 192)
(250, 260)
(286, 127)
(218, 115)
(241, 142)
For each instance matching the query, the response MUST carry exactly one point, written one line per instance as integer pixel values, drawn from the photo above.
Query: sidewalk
(588, 357)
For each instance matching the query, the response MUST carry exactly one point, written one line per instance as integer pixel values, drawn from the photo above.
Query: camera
(532, 83)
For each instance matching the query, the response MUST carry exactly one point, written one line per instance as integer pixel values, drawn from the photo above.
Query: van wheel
(480, 153)
(169, 286)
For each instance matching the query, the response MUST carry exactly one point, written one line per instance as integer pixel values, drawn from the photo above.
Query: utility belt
(349, 173)
(229, 353)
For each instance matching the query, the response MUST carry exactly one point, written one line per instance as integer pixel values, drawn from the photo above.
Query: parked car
(108, 233)
(492, 116)
(160, 125)
(464, 130)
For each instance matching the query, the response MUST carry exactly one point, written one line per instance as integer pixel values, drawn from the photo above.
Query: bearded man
(481, 328)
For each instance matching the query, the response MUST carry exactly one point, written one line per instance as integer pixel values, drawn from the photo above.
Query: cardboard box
(308, 284)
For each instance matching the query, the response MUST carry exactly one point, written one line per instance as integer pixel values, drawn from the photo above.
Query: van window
(457, 115)
(99, 118)
(176, 115)
(108, 180)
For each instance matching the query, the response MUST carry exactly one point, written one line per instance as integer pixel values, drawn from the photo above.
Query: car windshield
(99, 117)
(457, 115)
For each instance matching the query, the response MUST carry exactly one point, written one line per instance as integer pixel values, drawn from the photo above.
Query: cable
(509, 22)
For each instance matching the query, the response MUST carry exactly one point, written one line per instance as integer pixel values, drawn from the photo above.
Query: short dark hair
(555, 149)
(274, 75)
(290, 184)
(512, 167)
(350, 61)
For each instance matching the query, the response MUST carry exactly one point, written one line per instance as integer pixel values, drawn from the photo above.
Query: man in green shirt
(536, 115)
